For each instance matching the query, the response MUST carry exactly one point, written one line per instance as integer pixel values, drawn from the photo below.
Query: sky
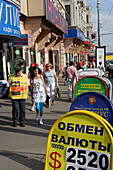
(106, 22)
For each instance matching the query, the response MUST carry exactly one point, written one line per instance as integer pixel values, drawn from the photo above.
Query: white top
(38, 90)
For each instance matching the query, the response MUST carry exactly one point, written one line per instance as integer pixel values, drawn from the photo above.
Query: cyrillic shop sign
(79, 140)
(94, 102)
(9, 19)
(90, 83)
(55, 17)
(22, 42)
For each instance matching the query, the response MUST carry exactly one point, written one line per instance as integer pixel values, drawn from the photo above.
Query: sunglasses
(47, 66)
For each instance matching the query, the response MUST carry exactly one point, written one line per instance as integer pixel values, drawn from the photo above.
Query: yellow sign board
(109, 57)
(79, 139)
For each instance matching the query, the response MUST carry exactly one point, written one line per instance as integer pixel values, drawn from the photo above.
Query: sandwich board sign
(79, 140)
(90, 83)
(94, 102)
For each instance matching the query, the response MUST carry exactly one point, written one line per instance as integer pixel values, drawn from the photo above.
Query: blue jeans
(18, 105)
(65, 82)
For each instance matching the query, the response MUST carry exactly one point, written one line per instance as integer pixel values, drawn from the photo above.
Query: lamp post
(98, 3)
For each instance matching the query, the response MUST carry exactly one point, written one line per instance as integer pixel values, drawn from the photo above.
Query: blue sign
(9, 19)
(22, 42)
(95, 102)
(55, 17)
(75, 33)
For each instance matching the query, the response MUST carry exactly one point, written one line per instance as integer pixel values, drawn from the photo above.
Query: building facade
(45, 24)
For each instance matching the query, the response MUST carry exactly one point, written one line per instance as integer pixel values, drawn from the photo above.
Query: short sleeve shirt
(49, 77)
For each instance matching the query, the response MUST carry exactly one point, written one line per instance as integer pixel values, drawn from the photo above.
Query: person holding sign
(18, 93)
(72, 75)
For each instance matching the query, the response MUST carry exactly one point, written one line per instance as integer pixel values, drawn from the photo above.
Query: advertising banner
(90, 83)
(22, 42)
(100, 55)
(55, 17)
(9, 19)
(79, 140)
(94, 102)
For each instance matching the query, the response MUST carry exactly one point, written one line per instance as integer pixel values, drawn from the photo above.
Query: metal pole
(98, 23)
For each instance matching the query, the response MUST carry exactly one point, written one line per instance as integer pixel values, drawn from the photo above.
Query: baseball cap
(17, 68)
(32, 64)
(37, 64)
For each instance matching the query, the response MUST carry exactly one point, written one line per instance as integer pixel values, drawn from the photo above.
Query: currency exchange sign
(90, 83)
(79, 140)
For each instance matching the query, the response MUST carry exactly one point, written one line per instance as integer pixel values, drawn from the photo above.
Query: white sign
(101, 56)
(81, 159)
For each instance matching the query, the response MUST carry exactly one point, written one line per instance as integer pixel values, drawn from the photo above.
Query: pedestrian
(19, 93)
(40, 70)
(38, 92)
(72, 75)
(50, 77)
(21, 64)
(92, 64)
(111, 69)
(101, 67)
(83, 66)
(30, 78)
(65, 81)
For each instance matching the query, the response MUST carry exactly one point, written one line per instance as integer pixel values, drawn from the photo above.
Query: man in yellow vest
(19, 93)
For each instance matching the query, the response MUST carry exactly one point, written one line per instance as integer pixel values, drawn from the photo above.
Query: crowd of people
(41, 86)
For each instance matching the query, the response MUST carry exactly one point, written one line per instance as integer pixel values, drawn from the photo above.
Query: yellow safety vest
(18, 87)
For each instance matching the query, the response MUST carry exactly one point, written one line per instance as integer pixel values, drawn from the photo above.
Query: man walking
(18, 92)
(72, 76)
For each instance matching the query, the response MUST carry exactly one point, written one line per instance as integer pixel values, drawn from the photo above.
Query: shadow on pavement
(34, 162)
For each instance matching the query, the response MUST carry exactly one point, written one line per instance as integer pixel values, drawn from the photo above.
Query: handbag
(58, 92)
(47, 100)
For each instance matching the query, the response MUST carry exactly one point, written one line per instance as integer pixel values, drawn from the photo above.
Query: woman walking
(38, 92)
(50, 77)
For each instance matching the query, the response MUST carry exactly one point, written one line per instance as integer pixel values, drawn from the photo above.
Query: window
(87, 18)
(67, 7)
(88, 34)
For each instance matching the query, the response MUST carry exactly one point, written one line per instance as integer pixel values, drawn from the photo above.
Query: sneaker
(41, 122)
(37, 117)
(22, 124)
(14, 124)
(32, 109)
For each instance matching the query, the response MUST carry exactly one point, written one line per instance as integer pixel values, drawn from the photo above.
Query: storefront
(73, 43)
(9, 31)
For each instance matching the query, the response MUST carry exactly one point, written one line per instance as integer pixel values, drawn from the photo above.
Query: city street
(25, 147)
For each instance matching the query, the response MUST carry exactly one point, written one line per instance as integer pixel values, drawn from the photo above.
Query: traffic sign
(90, 83)
(79, 140)
(95, 102)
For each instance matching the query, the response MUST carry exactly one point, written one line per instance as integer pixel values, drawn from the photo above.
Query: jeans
(65, 82)
(18, 105)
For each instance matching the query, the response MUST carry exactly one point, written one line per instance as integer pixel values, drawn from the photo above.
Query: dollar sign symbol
(55, 154)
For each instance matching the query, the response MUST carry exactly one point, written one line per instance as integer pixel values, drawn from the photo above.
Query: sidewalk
(25, 147)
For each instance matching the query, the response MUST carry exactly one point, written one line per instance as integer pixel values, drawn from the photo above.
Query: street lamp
(98, 3)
